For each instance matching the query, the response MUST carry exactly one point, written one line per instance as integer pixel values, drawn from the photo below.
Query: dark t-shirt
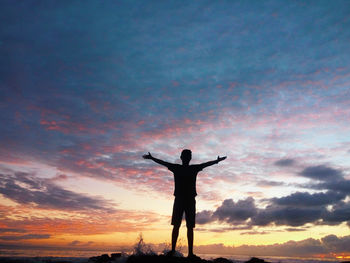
(185, 179)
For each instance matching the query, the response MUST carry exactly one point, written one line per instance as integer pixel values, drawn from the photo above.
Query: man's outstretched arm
(219, 159)
(149, 156)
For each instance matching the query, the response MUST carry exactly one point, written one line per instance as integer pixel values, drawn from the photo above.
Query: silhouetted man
(185, 176)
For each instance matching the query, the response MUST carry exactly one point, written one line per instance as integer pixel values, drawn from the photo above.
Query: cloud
(279, 212)
(293, 229)
(25, 237)
(296, 209)
(340, 185)
(204, 217)
(290, 216)
(336, 244)
(285, 162)
(340, 212)
(76, 222)
(224, 229)
(74, 243)
(78, 243)
(255, 233)
(266, 183)
(327, 246)
(321, 173)
(232, 212)
(25, 188)
(12, 230)
(327, 178)
(305, 199)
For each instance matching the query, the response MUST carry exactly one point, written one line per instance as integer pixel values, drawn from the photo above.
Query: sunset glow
(88, 87)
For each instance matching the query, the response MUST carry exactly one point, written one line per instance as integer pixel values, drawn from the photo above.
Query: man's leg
(178, 210)
(190, 212)
(190, 240)
(174, 236)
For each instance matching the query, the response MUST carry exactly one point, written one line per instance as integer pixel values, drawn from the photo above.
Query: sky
(88, 87)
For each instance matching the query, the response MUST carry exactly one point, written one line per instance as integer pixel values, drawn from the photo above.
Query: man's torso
(185, 177)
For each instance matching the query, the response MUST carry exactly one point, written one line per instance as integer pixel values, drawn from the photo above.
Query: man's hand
(221, 158)
(161, 162)
(147, 156)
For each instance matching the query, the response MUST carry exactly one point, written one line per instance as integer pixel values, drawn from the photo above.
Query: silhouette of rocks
(154, 259)
(222, 260)
(164, 259)
(256, 260)
(167, 259)
(100, 259)
(114, 256)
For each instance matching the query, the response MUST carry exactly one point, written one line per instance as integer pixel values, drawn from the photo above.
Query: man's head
(186, 156)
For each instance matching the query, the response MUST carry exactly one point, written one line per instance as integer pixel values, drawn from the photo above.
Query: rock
(100, 259)
(115, 255)
(144, 259)
(163, 259)
(256, 260)
(222, 260)
(152, 258)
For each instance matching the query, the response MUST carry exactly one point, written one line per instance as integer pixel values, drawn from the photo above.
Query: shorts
(187, 205)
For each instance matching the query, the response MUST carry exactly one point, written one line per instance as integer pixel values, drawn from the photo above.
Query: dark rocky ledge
(117, 257)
